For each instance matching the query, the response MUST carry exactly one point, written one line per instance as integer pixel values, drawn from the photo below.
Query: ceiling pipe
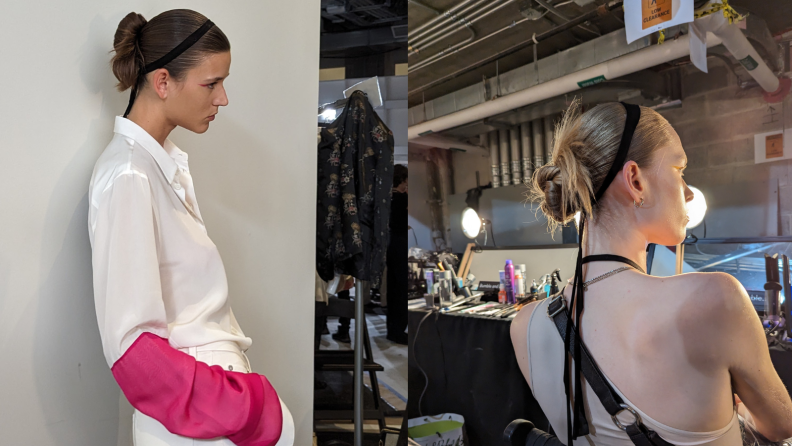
(601, 10)
(614, 68)
(455, 49)
(494, 158)
(417, 3)
(446, 52)
(505, 166)
(447, 19)
(516, 158)
(738, 45)
(422, 43)
(469, 42)
(526, 147)
(444, 142)
(550, 8)
(462, 45)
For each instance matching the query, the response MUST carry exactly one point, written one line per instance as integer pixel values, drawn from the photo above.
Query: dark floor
(334, 390)
(345, 439)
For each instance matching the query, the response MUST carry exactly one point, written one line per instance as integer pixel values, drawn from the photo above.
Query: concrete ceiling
(777, 14)
(360, 28)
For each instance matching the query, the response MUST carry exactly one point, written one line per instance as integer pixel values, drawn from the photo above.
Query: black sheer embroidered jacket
(354, 193)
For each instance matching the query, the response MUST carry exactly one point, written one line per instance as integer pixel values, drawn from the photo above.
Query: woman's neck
(152, 119)
(619, 238)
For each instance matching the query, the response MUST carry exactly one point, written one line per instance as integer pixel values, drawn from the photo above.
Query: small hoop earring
(639, 205)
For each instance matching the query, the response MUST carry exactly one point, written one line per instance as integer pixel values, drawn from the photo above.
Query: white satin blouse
(155, 268)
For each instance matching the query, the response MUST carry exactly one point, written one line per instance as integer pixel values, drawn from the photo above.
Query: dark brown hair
(399, 174)
(584, 147)
(138, 43)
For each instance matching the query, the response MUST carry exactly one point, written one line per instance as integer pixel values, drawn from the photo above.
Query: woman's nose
(222, 99)
(688, 194)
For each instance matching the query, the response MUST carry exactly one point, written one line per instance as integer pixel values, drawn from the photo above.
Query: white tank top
(546, 360)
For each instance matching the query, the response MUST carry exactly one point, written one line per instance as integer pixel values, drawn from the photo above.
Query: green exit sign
(590, 82)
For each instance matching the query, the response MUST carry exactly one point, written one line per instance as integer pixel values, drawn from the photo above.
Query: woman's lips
(211, 118)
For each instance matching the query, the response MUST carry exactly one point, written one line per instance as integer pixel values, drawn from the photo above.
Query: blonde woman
(676, 349)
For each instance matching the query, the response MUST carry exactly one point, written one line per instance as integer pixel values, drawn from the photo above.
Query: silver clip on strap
(635, 414)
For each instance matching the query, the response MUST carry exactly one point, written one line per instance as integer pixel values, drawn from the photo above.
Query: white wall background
(255, 175)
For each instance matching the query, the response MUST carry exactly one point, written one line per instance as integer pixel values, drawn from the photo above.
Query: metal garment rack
(358, 373)
(359, 322)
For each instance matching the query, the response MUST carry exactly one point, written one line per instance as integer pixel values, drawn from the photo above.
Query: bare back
(663, 344)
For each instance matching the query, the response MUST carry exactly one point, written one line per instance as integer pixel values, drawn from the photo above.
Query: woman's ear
(635, 180)
(159, 80)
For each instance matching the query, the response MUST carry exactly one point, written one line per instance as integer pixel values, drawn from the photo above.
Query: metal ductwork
(587, 64)
(549, 126)
(505, 166)
(610, 69)
(517, 151)
(527, 150)
(494, 158)
(514, 146)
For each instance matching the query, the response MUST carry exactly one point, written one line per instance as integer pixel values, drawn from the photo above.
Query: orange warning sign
(774, 146)
(656, 12)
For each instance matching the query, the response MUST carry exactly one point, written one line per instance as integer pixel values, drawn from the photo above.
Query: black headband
(630, 123)
(167, 58)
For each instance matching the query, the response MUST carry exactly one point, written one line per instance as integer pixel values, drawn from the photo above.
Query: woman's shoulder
(121, 162)
(123, 155)
(706, 288)
(705, 304)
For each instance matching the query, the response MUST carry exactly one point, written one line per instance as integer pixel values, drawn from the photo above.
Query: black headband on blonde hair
(580, 426)
(630, 124)
(167, 58)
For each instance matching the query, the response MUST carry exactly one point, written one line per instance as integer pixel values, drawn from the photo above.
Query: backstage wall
(255, 175)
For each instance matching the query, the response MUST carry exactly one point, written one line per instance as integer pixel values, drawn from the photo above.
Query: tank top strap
(611, 258)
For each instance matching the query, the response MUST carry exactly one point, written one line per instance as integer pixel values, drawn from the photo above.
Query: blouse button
(230, 367)
(177, 186)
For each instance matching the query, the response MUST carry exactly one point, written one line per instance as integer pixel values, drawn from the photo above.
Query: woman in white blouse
(168, 332)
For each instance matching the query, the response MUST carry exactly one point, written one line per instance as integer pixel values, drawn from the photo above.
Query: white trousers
(147, 431)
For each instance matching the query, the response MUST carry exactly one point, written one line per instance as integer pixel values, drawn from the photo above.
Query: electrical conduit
(612, 69)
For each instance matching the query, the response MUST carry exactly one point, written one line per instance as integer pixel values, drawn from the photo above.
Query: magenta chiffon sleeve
(193, 399)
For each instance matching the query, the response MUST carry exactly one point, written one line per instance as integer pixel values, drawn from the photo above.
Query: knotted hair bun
(128, 59)
(562, 185)
(138, 42)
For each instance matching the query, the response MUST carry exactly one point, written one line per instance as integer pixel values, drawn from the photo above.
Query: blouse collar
(164, 156)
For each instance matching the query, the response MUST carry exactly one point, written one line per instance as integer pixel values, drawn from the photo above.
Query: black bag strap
(613, 403)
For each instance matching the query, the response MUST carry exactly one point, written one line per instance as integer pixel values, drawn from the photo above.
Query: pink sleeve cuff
(193, 399)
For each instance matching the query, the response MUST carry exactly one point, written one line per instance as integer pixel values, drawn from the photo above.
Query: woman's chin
(199, 128)
(671, 239)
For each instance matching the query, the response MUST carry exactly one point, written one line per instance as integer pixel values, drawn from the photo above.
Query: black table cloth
(472, 371)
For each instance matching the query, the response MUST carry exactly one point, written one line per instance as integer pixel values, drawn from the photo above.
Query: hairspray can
(509, 272)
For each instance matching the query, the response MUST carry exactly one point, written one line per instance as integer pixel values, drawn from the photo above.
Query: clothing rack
(358, 372)
(360, 321)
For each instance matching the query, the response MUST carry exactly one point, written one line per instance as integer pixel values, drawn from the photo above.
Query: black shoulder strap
(638, 432)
